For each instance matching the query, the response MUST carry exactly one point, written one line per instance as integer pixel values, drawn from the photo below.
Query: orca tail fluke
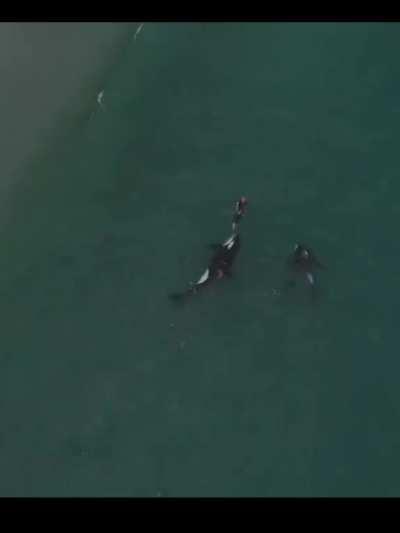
(181, 297)
(177, 296)
(315, 295)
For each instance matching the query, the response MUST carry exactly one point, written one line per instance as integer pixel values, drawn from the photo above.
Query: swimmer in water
(239, 210)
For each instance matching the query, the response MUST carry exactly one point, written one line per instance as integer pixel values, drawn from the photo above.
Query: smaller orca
(304, 262)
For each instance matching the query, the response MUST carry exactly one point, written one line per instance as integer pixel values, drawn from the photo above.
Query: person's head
(242, 202)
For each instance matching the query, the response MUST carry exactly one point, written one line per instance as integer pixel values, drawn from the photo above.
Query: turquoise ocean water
(108, 390)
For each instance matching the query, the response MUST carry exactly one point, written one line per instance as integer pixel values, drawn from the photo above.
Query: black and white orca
(221, 262)
(304, 262)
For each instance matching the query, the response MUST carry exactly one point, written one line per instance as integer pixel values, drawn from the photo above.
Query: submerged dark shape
(304, 262)
(220, 265)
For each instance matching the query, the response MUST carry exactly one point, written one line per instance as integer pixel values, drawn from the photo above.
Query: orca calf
(220, 265)
(304, 262)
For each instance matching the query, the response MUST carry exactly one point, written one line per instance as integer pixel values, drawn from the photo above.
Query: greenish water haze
(45, 68)
(108, 390)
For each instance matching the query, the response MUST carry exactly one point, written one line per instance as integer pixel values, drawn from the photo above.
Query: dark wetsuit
(239, 210)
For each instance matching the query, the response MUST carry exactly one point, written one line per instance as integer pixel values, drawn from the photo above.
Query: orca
(221, 261)
(304, 262)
